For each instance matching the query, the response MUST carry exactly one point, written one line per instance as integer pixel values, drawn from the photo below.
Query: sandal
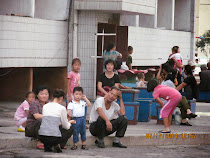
(40, 146)
(164, 131)
(74, 147)
(84, 147)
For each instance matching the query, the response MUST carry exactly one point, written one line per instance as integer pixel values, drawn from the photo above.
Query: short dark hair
(175, 49)
(76, 60)
(130, 48)
(80, 89)
(151, 85)
(110, 46)
(110, 61)
(140, 75)
(116, 88)
(171, 75)
(41, 88)
(28, 93)
(188, 69)
(58, 93)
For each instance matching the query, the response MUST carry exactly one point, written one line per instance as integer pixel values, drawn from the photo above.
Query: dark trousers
(98, 128)
(50, 141)
(33, 130)
(183, 105)
(79, 128)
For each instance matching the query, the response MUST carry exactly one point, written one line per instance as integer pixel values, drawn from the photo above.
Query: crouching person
(51, 133)
(104, 118)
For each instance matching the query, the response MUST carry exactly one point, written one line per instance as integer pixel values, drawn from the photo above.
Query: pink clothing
(75, 80)
(178, 57)
(172, 95)
(20, 122)
(21, 111)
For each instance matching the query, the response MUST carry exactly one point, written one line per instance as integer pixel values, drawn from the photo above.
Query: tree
(204, 42)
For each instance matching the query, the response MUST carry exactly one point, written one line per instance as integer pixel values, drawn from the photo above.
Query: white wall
(30, 42)
(52, 9)
(146, 20)
(137, 6)
(165, 14)
(153, 46)
(129, 20)
(182, 19)
(17, 7)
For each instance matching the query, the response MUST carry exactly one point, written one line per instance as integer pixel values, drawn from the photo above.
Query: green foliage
(203, 42)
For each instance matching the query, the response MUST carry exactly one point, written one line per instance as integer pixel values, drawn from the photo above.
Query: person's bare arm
(122, 107)
(100, 88)
(117, 85)
(103, 116)
(158, 74)
(68, 90)
(160, 102)
(182, 85)
(27, 112)
(37, 116)
(129, 66)
(86, 100)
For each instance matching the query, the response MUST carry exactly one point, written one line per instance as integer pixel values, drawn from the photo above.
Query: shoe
(185, 124)
(57, 149)
(84, 147)
(120, 145)
(74, 147)
(100, 144)
(21, 130)
(164, 131)
(192, 116)
(47, 149)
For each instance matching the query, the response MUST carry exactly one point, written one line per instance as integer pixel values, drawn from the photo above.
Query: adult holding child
(108, 79)
(35, 114)
(104, 119)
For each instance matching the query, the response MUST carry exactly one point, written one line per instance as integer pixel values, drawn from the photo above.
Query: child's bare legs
(83, 143)
(24, 124)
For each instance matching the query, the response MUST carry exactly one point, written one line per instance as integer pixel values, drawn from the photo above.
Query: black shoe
(185, 124)
(100, 144)
(84, 147)
(57, 149)
(192, 116)
(120, 145)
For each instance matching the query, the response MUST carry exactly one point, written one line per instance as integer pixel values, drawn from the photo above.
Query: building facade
(45, 43)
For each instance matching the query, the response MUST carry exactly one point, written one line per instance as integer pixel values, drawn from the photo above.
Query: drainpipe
(75, 26)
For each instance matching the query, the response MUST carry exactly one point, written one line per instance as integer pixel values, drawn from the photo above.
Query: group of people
(52, 124)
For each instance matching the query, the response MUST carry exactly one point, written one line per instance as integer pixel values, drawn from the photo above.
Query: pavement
(142, 139)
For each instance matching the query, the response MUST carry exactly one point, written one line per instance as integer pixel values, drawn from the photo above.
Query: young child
(76, 109)
(73, 78)
(129, 58)
(176, 55)
(140, 78)
(173, 98)
(22, 112)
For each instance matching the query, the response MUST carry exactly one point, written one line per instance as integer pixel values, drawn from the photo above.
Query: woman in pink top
(73, 78)
(173, 98)
(22, 112)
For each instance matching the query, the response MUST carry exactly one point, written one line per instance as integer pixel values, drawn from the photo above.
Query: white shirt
(177, 56)
(78, 110)
(111, 113)
(138, 84)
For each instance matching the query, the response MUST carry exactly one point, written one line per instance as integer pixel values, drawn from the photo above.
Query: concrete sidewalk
(135, 135)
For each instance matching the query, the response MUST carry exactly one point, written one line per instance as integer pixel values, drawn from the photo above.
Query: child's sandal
(84, 147)
(74, 147)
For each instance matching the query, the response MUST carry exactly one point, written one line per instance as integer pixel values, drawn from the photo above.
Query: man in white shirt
(104, 118)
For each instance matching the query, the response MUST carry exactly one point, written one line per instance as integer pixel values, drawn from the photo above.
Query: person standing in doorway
(129, 58)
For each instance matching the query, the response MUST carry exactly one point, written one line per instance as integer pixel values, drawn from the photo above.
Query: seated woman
(22, 112)
(50, 132)
(35, 114)
(108, 79)
(189, 84)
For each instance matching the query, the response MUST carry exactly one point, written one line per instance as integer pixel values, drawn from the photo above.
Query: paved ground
(131, 152)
